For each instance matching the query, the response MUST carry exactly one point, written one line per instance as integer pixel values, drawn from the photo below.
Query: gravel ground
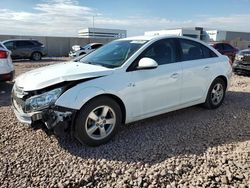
(193, 147)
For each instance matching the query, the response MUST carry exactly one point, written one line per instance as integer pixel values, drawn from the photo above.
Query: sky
(67, 17)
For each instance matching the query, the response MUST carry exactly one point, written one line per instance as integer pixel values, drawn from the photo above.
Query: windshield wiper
(91, 63)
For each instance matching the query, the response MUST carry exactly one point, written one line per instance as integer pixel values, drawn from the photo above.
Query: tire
(98, 121)
(36, 56)
(216, 94)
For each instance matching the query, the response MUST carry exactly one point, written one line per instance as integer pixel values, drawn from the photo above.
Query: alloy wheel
(217, 93)
(100, 122)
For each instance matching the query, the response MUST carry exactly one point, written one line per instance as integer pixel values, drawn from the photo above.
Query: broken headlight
(43, 101)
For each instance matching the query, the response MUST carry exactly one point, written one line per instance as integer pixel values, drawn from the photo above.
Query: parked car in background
(225, 49)
(6, 66)
(79, 51)
(124, 81)
(242, 62)
(25, 49)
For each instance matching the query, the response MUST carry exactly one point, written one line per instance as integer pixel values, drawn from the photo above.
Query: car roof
(217, 42)
(9, 40)
(147, 37)
(245, 50)
(95, 43)
(159, 37)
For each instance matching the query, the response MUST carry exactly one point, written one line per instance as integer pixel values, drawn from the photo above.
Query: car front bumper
(51, 117)
(27, 118)
(240, 66)
(72, 54)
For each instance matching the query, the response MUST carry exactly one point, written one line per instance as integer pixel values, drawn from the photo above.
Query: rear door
(197, 64)
(24, 48)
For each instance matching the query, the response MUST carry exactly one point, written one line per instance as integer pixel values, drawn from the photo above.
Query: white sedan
(124, 81)
(6, 66)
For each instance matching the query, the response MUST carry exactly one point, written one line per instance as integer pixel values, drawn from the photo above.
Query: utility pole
(93, 27)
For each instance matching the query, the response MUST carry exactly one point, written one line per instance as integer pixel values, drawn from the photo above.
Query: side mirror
(147, 63)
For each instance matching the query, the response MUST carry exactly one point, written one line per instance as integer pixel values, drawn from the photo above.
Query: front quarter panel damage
(76, 97)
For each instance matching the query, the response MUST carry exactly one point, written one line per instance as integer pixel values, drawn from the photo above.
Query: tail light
(230, 62)
(3, 54)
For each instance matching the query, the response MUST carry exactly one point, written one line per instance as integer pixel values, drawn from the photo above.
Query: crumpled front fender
(76, 97)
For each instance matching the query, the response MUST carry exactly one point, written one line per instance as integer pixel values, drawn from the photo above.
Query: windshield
(113, 54)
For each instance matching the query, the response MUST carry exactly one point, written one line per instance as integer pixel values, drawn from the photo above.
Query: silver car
(79, 51)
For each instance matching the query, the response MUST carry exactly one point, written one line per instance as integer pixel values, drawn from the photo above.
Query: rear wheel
(98, 121)
(36, 56)
(216, 94)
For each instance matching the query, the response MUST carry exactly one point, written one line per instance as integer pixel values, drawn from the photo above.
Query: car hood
(54, 74)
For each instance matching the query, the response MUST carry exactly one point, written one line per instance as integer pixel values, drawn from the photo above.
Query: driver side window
(163, 52)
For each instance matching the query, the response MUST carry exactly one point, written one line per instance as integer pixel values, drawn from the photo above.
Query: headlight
(238, 57)
(42, 101)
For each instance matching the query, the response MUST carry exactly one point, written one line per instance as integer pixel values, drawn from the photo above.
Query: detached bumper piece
(53, 118)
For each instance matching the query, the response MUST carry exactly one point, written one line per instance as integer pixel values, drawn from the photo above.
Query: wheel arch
(224, 78)
(116, 99)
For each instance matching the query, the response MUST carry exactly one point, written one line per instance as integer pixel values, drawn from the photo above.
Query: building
(102, 33)
(237, 39)
(188, 32)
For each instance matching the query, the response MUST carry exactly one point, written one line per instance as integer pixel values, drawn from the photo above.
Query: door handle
(175, 75)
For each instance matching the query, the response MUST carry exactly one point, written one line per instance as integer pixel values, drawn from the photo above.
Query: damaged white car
(124, 81)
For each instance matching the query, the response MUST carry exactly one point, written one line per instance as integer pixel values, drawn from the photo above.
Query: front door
(155, 90)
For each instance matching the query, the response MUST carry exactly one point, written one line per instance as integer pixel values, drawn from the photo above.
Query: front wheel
(216, 94)
(98, 121)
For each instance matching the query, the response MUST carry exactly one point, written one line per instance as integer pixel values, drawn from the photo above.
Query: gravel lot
(193, 147)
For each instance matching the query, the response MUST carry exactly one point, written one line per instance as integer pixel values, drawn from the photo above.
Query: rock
(60, 185)
(140, 181)
(163, 172)
(224, 179)
(239, 176)
(113, 175)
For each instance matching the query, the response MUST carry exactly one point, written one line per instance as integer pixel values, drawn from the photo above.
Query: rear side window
(228, 47)
(37, 43)
(95, 46)
(207, 53)
(24, 43)
(218, 46)
(192, 50)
